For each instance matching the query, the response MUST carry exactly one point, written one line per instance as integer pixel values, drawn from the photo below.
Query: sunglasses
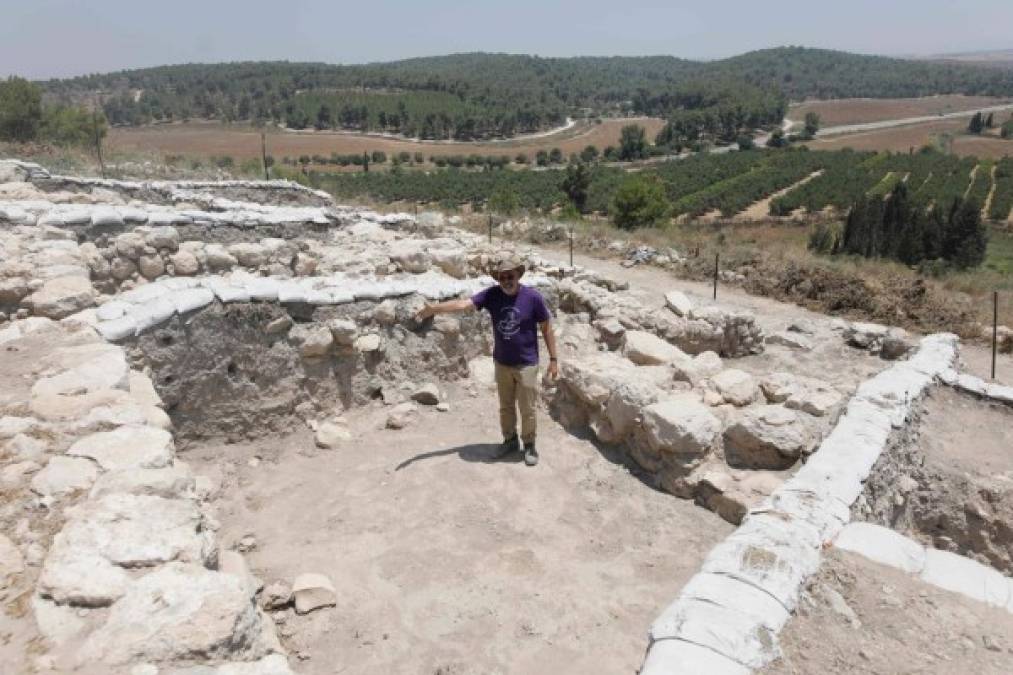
(507, 276)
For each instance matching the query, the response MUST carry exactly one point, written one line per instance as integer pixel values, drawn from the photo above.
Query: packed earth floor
(447, 561)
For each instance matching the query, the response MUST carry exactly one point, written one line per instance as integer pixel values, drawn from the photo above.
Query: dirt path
(760, 210)
(862, 617)
(991, 194)
(447, 562)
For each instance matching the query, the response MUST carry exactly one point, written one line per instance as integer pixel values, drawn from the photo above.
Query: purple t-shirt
(515, 320)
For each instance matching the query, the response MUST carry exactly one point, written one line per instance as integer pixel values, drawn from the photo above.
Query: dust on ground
(446, 561)
(858, 616)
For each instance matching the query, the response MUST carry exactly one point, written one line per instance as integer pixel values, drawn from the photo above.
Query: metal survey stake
(571, 247)
(490, 228)
(995, 328)
(263, 154)
(716, 256)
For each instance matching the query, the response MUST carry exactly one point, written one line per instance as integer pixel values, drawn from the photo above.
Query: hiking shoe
(530, 454)
(507, 447)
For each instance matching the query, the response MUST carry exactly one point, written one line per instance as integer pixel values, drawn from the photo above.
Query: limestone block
(766, 437)
(63, 475)
(681, 425)
(180, 611)
(647, 349)
(127, 447)
(61, 297)
(678, 303)
(736, 386)
(313, 591)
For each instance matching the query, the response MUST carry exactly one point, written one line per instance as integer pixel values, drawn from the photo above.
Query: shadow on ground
(484, 453)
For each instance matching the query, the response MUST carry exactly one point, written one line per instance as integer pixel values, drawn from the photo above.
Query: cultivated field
(861, 110)
(243, 142)
(951, 133)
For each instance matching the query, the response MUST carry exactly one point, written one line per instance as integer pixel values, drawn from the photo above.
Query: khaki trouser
(517, 387)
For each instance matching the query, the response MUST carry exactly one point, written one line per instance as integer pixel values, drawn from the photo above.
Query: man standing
(517, 311)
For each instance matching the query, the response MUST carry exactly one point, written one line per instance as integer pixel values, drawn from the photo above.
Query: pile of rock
(703, 429)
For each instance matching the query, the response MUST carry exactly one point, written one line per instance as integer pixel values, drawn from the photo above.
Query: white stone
(219, 259)
(647, 349)
(736, 386)
(344, 331)
(789, 339)
(164, 237)
(179, 611)
(127, 447)
(675, 657)
(331, 435)
(11, 562)
(678, 303)
(681, 425)
(882, 545)
(402, 415)
(170, 482)
(427, 394)
(314, 341)
(367, 343)
(249, 255)
(185, 263)
(313, 591)
(766, 437)
(965, 576)
(61, 297)
(64, 474)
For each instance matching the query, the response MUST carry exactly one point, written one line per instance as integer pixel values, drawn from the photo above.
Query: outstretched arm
(550, 343)
(447, 307)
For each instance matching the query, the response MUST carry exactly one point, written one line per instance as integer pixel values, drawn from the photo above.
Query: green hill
(479, 95)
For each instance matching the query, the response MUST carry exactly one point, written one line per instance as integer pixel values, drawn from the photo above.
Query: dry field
(205, 139)
(861, 110)
(903, 139)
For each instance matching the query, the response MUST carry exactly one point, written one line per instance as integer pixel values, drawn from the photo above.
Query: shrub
(639, 202)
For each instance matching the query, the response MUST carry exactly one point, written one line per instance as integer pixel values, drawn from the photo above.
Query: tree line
(25, 118)
(900, 228)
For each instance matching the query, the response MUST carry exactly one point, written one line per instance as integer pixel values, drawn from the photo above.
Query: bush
(420, 158)
(521, 158)
(824, 238)
(20, 110)
(556, 156)
(378, 157)
(505, 201)
(639, 202)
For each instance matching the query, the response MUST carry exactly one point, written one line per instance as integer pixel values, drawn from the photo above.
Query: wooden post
(716, 257)
(571, 247)
(490, 228)
(98, 142)
(263, 154)
(995, 328)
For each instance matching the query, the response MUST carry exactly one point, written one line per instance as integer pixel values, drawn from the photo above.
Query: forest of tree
(900, 228)
(498, 94)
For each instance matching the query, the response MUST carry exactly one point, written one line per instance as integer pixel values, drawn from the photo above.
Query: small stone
(151, 266)
(402, 415)
(678, 303)
(313, 591)
(427, 394)
(443, 406)
(276, 595)
(385, 313)
(186, 263)
(367, 343)
(314, 341)
(330, 435)
(247, 544)
(736, 386)
(344, 331)
(279, 325)
(992, 644)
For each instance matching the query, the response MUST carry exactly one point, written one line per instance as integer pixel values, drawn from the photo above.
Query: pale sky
(57, 38)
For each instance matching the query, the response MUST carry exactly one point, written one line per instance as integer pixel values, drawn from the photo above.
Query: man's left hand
(553, 370)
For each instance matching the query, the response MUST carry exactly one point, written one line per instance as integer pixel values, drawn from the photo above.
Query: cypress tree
(969, 235)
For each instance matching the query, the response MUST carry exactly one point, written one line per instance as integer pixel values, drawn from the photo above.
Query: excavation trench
(443, 558)
(944, 487)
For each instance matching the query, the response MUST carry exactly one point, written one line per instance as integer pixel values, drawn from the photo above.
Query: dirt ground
(903, 139)
(243, 142)
(943, 441)
(861, 617)
(446, 561)
(860, 110)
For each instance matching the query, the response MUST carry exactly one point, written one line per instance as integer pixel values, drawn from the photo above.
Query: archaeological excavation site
(229, 446)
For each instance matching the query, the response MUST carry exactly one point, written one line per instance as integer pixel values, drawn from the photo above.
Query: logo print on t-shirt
(509, 323)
